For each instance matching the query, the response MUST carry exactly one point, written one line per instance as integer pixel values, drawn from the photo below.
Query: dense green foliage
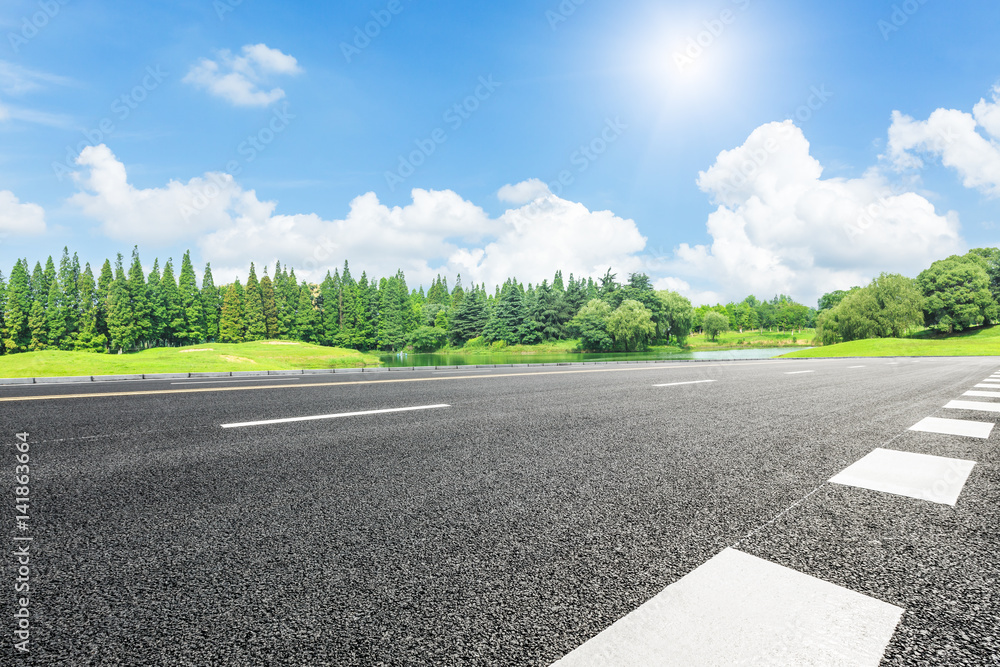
(64, 307)
(890, 307)
(953, 294)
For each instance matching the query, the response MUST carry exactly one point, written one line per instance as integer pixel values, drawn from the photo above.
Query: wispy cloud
(240, 80)
(16, 80)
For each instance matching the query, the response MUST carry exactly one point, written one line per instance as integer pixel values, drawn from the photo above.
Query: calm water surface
(407, 360)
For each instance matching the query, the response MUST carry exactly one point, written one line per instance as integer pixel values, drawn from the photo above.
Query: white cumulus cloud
(158, 216)
(954, 137)
(523, 192)
(242, 79)
(20, 219)
(438, 232)
(780, 227)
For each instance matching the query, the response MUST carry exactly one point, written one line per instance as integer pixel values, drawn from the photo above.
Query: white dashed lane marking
(983, 394)
(972, 429)
(738, 609)
(980, 406)
(799, 372)
(679, 384)
(335, 416)
(921, 476)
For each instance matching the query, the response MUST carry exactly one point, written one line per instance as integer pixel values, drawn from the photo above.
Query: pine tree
(88, 339)
(157, 309)
(270, 307)
(39, 288)
(69, 277)
(210, 304)
(470, 318)
(48, 275)
(305, 316)
(39, 327)
(104, 282)
(506, 319)
(253, 308)
(328, 316)
(16, 333)
(3, 308)
(457, 294)
(193, 331)
(394, 313)
(120, 316)
(141, 325)
(349, 313)
(231, 324)
(173, 312)
(366, 314)
(55, 316)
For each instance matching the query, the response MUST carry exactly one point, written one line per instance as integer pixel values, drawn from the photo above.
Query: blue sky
(765, 159)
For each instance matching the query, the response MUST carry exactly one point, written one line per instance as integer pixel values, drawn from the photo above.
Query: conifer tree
(104, 282)
(120, 316)
(305, 316)
(154, 300)
(210, 304)
(506, 318)
(192, 311)
(470, 318)
(3, 308)
(141, 326)
(231, 324)
(173, 312)
(253, 308)
(270, 307)
(366, 314)
(69, 277)
(39, 327)
(88, 338)
(16, 333)
(39, 288)
(55, 317)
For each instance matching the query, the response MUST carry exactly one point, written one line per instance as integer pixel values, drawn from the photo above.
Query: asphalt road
(506, 529)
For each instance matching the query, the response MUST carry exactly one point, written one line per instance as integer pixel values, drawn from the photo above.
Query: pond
(404, 359)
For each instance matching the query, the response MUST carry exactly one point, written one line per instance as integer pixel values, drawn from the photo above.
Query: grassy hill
(984, 341)
(261, 356)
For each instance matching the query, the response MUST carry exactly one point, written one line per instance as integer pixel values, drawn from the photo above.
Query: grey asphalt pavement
(506, 529)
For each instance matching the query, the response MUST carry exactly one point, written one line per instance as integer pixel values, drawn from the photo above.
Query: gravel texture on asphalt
(507, 529)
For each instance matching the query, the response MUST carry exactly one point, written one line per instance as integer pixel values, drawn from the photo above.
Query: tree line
(122, 308)
(953, 294)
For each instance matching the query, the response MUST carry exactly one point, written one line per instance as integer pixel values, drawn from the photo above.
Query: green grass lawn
(927, 343)
(261, 356)
(737, 340)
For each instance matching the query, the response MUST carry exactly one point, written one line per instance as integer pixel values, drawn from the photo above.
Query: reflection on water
(407, 360)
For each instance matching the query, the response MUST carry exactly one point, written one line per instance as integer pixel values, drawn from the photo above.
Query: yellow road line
(164, 392)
